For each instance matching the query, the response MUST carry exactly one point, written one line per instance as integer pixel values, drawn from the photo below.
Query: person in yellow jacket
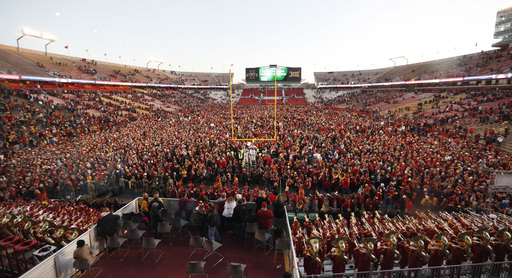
(144, 207)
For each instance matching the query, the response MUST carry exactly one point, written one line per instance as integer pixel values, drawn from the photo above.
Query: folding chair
(134, 235)
(165, 228)
(115, 243)
(250, 229)
(149, 244)
(195, 268)
(137, 219)
(236, 269)
(282, 245)
(128, 224)
(211, 246)
(180, 223)
(262, 237)
(197, 243)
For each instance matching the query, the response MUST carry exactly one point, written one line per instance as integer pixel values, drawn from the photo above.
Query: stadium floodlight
(40, 35)
(153, 60)
(399, 57)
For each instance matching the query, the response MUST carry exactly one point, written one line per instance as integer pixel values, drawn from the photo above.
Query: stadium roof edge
(99, 82)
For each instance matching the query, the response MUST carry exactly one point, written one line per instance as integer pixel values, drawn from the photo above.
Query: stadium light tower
(400, 57)
(155, 61)
(40, 35)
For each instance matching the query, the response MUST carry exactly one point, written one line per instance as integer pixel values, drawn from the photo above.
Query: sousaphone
(315, 244)
(42, 232)
(340, 243)
(7, 224)
(70, 235)
(29, 227)
(19, 224)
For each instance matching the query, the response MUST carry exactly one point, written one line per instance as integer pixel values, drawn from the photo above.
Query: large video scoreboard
(270, 74)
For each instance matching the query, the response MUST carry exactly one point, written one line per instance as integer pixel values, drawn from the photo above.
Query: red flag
(66, 47)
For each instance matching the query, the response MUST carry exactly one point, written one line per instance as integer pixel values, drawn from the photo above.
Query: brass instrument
(7, 223)
(70, 235)
(315, 244)
(28, 229)
(41, 234)
(18, 224)
(441, 238)
(340, 244)
(342, 222)
(505, 237)
(58, 235)
(367, 226)
(394, 226)
(353, 228)
(391, 237)
(468, 242)
(369, 243)
(420, 247)
(485, 239)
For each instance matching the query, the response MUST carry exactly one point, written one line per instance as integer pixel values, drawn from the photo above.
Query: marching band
(425, 239)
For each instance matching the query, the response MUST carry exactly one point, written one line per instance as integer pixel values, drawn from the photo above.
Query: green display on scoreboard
(264, 75)
(268, 74)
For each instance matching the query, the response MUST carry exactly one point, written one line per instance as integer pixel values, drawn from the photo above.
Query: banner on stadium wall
(502, 182)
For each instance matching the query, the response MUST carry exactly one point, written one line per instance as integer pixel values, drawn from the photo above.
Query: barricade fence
(292, 257)
(466, 270)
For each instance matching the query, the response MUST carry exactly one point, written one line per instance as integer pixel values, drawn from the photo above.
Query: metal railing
(466, 270)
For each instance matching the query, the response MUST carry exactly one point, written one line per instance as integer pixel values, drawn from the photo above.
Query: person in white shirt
(229, 207)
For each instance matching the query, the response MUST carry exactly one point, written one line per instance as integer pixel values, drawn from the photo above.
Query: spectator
(239, 217)
(156, 217)
(83, 254)
(229, 207)
(213, 220)
(265, 221)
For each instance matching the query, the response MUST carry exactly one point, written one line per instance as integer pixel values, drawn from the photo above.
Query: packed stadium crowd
(340, 163)
(364, 157)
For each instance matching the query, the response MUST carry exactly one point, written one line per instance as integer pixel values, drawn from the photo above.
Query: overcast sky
(199, 35)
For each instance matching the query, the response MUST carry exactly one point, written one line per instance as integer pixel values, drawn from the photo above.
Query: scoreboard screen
(268, 74)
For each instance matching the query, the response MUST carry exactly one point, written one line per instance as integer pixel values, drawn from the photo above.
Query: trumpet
(366, 225)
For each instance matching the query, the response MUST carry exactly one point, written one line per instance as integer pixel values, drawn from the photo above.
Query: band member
(389, 253)
(313, 265)
(482, 251)
(417, 256)
(364, 257)
(501, 249)
(338, 257)
(460, 252)
(438, 254)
